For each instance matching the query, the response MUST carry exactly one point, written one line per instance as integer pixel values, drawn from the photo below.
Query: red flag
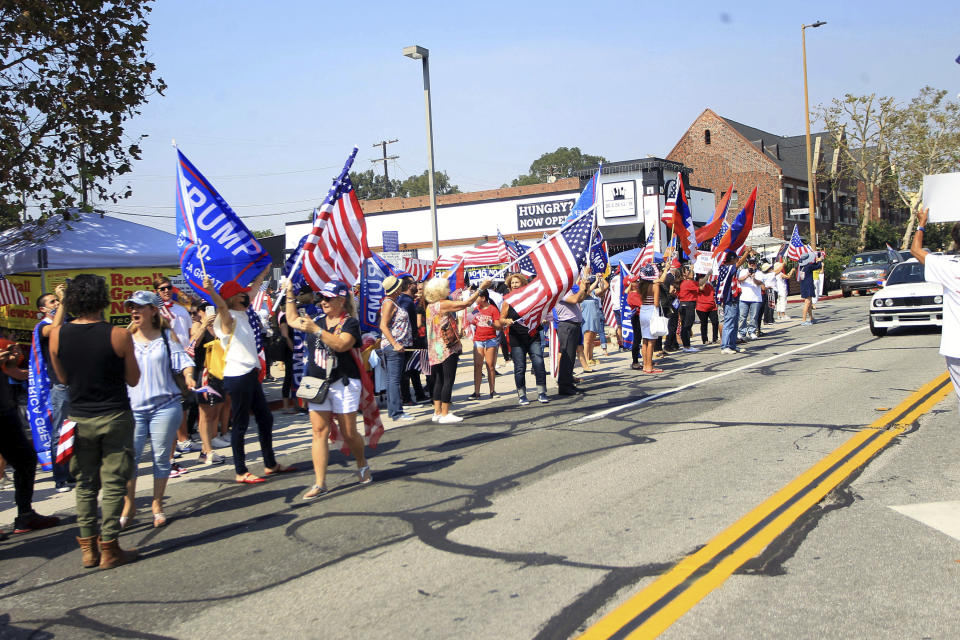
(710, 231)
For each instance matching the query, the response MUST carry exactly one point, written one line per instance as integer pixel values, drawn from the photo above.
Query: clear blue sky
(267, 99)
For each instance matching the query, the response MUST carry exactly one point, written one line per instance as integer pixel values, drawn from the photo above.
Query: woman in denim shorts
(486, 322)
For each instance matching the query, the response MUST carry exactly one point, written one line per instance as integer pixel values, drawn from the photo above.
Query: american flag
(797, 249)
(262, 299)
(9, 294)
(643, 258)
(257, 327)
(683, 230)
(670, 206)
(609, 313)
(554, 343)
(337, 245)
(716, 240)
(488, 254)
(68, 433)
(558, 262)
(511, 249)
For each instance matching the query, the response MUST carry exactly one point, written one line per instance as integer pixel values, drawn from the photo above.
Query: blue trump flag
(372, 275)
(296, 278)
(587, 199)
(626, 313)
(598, 254)
(211, 238)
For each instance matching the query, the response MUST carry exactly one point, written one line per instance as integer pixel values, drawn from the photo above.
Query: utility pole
(386, 176)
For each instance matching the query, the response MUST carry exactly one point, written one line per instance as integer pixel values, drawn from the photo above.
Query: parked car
(906, 300)
(864, 271)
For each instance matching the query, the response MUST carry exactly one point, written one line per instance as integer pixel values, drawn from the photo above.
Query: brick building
(722, 151)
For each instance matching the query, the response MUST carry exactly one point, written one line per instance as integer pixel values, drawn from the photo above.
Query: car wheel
(846, 293)
(877, 331)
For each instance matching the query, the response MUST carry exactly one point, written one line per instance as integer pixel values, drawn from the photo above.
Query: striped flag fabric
(509, 247)
(487, 254)
(9, 294)
(554, 350)
(670, 206)
(558, 261)
(683, 230)
(68, 432)
(643, 258)
(609, 313)
(736, 236)
(337, 245)
(716, 240)
(262, 299)
(718, 221)
(257, 327)
(797, 249)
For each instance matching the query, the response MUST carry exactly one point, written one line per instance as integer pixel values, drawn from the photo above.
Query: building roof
(632, 166)
(788, 152)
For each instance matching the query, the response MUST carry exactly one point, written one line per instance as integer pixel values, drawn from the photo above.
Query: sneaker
(805, 323)
(728, 351)
(543, 399)
(364, 475)
(195, 437)
(220, 442)
(690, 350)
(449, 419)
(33, 521)
(473, 396)
(212, 458)
(176, 470)
(523, 401)
(435, 418)
(186, 446)
(63, 487)
(176, 454)
(406, 417)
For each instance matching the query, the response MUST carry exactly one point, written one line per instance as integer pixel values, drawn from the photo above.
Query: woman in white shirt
(783, 280)
(155, 400)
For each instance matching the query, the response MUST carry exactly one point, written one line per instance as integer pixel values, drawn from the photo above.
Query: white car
(906, 300)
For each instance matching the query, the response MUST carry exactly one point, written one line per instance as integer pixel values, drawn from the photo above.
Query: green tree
(925, 140)
(881, 233)
(562, 163)
(860, 128)
(72, 73)
(370, 185)
(420, 185)
(263, 233)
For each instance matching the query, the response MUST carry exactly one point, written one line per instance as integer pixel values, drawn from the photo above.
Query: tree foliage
(370, 185)
(72, 72)
(263, 233)
(925, 141)
(562, 163)
(860, 127)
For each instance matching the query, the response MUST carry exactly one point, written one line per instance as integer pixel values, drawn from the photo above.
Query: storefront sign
(619, 199)
(543, 215)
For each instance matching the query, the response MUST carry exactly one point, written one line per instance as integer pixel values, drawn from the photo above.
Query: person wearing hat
(395, 327)
(97, 363)
(333, 334)
(155, 400)
(241, 376)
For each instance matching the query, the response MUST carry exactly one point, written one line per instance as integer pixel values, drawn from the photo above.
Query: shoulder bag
(313, 389)
(658, 325)
(189, 397)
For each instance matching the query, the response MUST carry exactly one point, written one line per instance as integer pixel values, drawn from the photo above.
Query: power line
(386, 176)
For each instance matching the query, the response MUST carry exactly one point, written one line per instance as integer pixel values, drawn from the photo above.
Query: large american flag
(609, 313)
(797, 249)
(262, 299)
(337, 245)
(9, 294)
(488, 254)
(643, 258)
(558, 262)
(716, 240)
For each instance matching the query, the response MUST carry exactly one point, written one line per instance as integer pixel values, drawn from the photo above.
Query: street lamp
(811, 194)
(417, 52)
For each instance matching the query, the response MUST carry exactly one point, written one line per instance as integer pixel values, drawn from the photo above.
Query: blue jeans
(748, 318)
(519, 356)
(731, 313)
(394, 361)
(160, 425)
(59, 408)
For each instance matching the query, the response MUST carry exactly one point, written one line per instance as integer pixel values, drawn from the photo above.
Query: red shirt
(705, 299)
(483, 320)
(688, 291)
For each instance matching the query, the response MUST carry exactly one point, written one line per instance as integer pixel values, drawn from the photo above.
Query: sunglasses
(165, 287)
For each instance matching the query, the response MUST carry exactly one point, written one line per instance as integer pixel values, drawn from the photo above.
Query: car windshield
(868, 258)
(906, 272)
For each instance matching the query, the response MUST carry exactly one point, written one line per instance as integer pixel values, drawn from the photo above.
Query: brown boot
(91, 552)
(111, 555)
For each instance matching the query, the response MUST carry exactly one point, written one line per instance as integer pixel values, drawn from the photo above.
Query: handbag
(658, 326)
(313, 389)
(189, 397)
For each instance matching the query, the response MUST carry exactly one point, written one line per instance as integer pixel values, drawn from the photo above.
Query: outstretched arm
(916, 248)
(223, 311)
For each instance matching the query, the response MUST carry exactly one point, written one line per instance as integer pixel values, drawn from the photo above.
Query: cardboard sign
(941, 194)
(704, 263)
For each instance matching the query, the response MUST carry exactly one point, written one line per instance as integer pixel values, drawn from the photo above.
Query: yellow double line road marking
(659, 605)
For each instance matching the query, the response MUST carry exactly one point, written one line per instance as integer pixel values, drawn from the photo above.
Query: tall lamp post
(811, 193)
(417, 52)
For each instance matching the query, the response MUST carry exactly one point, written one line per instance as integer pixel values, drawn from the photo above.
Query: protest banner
(941, 194)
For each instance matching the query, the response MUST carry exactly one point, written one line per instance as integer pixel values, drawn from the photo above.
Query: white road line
(657, 396)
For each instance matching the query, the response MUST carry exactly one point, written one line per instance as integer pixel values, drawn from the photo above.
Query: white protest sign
(704, 263)
(941, 194)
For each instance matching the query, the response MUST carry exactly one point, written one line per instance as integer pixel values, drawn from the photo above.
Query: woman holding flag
(524, 342)
(332, 335)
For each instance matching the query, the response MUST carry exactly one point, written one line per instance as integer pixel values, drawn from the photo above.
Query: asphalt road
(534, 522)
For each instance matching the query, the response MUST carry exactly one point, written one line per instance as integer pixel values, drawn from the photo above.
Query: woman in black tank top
(97, 361)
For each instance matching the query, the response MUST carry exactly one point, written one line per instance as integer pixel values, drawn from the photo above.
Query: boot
(111, 555)
(91, 552)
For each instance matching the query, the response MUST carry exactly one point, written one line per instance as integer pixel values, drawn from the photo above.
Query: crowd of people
(186, 376)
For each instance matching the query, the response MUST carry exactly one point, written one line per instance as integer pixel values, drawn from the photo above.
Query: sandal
(366, 477)
(315, 492)
(159, 519)
(249, 478)
(280, 469)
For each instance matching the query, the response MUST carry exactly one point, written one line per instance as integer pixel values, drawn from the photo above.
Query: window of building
(706, 136)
